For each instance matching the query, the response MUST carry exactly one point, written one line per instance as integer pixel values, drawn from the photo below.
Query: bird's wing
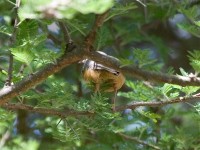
(102, 67)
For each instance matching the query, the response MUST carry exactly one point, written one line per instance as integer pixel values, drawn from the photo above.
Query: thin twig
(10, 69)
(54, 39)
(91, 37)
(13, 39)
(4, 139)
(10, 2)
(145, 11)
(69, 45)
(75, 133)
(21, 70)
(135, 139)
(45, 111)
(157, 103)
(143, 4)
(65, 31)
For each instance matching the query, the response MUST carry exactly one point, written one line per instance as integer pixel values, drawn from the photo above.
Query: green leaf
(6, 30)
(126, 62)
(91, 6)
(57, 95)
(189, 90)
(23, 54)
(171, 90)
(103, 37)
(183, 72)
(120, 9)
(76, 25)
(197, 23)
(140, 92)
(142, 57)
(62, 9)
(38, 39)
(194, 58)
(197, 107)
(27, 30)
(191, 13)
(154, 117)
(193, 29)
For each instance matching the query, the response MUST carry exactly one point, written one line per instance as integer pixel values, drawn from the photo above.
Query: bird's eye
(116, 73)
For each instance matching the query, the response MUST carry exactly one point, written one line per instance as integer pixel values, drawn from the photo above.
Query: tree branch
(45, 111)
(75, 113)
(157, 103)
(6, 93)
(91, 37)
(141, 74)
(63, 27)
(54, 39)
(77, 55)
(13, 39)
(135, 139)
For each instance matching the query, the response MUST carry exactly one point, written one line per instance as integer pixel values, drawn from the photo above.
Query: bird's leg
(114, 100)
(96, 88)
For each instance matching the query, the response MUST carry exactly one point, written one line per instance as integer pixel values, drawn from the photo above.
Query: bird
(104, 78)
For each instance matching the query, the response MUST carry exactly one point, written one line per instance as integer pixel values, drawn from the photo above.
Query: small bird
(104, 78)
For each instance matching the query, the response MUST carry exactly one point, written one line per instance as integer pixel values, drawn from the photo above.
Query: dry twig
(135, 139)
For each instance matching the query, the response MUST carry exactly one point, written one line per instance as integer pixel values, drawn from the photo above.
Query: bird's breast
(91, 75)
(111, 81)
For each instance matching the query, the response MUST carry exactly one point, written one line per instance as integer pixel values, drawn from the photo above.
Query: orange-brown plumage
(99, 77)
(104, 78)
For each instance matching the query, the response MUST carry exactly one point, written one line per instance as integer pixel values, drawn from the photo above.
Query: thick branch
(45, 111)
(141, 74)
(109, 61)
(39, 76)
(157, 103)
(135, 139)
(91, 37)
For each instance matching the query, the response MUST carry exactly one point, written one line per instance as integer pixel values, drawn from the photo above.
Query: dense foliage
(63, 112)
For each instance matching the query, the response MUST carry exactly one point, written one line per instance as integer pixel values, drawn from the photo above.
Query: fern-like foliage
(58, 94)
(141, 58)
(192, 26)
(194, 58)
(121, 9)
(7, 30)
(140, 92)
